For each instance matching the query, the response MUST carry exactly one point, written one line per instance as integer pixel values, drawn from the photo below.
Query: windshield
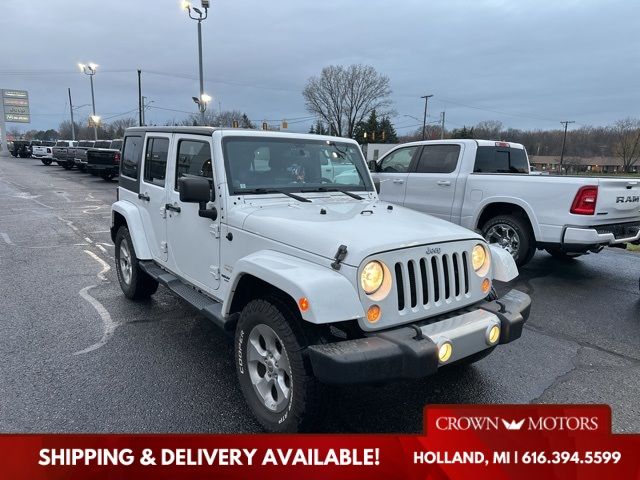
(260, 164)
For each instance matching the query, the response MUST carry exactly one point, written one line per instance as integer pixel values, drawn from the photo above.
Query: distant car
(21, 148)
(79, 153)
(44, 151)
(105, 162)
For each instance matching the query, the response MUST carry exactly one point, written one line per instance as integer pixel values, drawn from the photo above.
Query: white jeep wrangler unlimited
(321, 282)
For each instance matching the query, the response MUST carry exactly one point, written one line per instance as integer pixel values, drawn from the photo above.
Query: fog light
(444, 352)
(486, 285)
(373, 314)
(494, 334)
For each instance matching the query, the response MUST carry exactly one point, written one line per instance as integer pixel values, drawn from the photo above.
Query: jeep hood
(365, 228)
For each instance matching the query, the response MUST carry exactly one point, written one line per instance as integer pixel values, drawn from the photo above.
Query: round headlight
(372, 277)
(479, 259)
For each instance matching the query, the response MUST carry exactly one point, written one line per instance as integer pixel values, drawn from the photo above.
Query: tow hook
(418, 330)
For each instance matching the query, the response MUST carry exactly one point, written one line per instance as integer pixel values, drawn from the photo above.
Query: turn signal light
(303, 303)
(585, 200)
(373, 313)
(486, 285)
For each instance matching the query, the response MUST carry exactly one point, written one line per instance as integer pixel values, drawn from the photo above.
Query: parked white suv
(487, 186)
(320, 281)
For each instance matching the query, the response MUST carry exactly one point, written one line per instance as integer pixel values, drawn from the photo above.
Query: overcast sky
(527, 63)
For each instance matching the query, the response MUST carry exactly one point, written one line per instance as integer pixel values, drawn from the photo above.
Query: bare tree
(118, 127)
(344, 96)
(488, 129)
(627, 146)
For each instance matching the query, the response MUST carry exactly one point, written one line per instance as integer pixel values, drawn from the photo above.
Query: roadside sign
(15, 106)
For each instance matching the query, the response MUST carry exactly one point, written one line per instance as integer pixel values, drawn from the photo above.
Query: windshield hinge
(340, 254)
(214, 271)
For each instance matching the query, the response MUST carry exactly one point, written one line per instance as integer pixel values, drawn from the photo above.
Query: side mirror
(373, 165)
(376, 183)
(194, 189)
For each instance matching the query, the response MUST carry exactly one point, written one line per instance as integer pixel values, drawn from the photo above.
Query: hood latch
(340, 254)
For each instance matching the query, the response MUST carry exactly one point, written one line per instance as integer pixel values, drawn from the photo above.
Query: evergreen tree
(246, 123)
(387, 132)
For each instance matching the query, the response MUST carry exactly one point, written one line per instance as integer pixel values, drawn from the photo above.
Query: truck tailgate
(618, 199)
(101, 157)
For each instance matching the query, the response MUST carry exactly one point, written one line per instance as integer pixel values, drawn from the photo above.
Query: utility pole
(90, 70)
(144, 120)
(140, 114)
(564, 140)
(73, 126)
(424, 119)
(442, 125)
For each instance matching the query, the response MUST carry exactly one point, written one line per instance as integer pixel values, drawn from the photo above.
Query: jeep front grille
(432, 280)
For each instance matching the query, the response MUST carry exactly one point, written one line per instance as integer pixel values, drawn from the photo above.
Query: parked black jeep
(21, 148)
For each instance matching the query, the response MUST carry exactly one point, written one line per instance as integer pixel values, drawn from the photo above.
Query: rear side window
(398, 161)
(155, 161)
(131, 157)
(102, 144)
(116, 145)
(194, 158)
(500, 160)
(438, 159)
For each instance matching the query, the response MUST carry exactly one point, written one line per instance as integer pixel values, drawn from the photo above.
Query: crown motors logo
(513, 425)
(543, 423)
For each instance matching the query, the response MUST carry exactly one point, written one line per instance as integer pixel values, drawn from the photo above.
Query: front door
(152, 196)
(392, 172)
(194, 241)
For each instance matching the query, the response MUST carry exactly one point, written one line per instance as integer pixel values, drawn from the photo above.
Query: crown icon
(513, 425)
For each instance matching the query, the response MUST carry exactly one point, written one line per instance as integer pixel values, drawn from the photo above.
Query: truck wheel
(274, 376)
(560, 255)
(513, 234)
(134, 282)
(46, 162)
(67, 165)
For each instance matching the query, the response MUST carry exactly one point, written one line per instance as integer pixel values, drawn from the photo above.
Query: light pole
(90, 69)
(424, 119)
(186, 5)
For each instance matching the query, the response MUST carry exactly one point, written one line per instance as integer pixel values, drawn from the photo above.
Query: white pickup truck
(487, 186)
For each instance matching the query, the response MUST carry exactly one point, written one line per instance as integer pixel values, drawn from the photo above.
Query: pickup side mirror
(373, 165)
(194, 189)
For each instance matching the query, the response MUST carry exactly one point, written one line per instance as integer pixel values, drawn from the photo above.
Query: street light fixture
(90, 69)
(186, 5)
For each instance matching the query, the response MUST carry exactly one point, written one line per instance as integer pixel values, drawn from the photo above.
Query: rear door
(392, 172)
(431, 188)
(153, 193)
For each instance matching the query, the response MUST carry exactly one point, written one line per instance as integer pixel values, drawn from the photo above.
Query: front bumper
(601, 235)
(404, 353)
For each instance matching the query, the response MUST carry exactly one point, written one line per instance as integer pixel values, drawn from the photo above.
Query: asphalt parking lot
(77, 356)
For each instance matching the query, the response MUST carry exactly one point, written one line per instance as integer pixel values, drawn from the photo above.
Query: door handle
(173, 208)
(444, 183)
(144, 196)
(398, 180)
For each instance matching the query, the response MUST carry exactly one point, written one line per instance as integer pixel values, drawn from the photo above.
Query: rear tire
(67, 165)
(563, 256)
(46, 162)
(275, 377)
(512, 233)
(134, 282)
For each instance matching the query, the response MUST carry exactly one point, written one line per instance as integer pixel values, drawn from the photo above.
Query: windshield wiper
(275, 190)
(333, 189)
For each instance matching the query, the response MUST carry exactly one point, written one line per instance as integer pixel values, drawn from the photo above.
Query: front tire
(513, 234)
(274, 375)
(134, 282)
(46, 162)
(67, 165)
